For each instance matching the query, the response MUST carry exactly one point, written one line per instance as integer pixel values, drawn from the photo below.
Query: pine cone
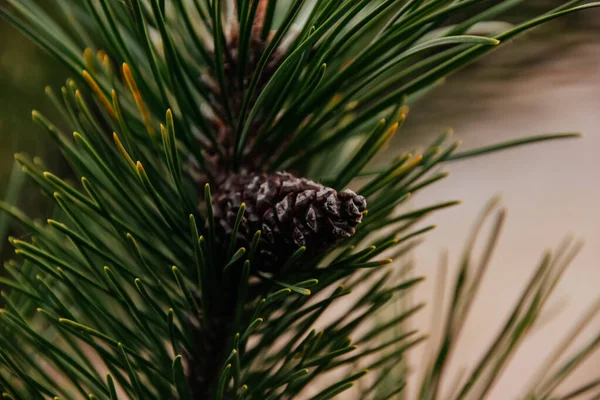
(290, 212)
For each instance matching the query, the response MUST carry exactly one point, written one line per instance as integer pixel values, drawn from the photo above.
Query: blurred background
(544, 82)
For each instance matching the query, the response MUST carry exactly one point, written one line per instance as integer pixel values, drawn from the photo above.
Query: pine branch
(183, 263)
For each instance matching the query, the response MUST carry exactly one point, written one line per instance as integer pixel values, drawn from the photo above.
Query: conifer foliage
(210, 232)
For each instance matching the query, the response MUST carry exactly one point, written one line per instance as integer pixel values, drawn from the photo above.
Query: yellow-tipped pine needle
(96, 89)
(88, 59)
(100, 54)
(391, 131)
(389, 134)
(408, 166)
(140, 168)
(123, 151)
(138, 99)
(107, 65)
(401, 113)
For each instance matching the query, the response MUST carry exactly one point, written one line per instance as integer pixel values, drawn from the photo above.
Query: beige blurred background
(541, 83)
(547, 81)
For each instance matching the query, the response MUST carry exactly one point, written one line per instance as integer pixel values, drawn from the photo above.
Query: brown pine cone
(290, 212)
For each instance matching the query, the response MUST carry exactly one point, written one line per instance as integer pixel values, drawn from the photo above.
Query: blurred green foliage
(24, 72)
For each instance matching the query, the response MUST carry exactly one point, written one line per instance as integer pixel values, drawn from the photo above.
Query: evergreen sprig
(130, 292)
